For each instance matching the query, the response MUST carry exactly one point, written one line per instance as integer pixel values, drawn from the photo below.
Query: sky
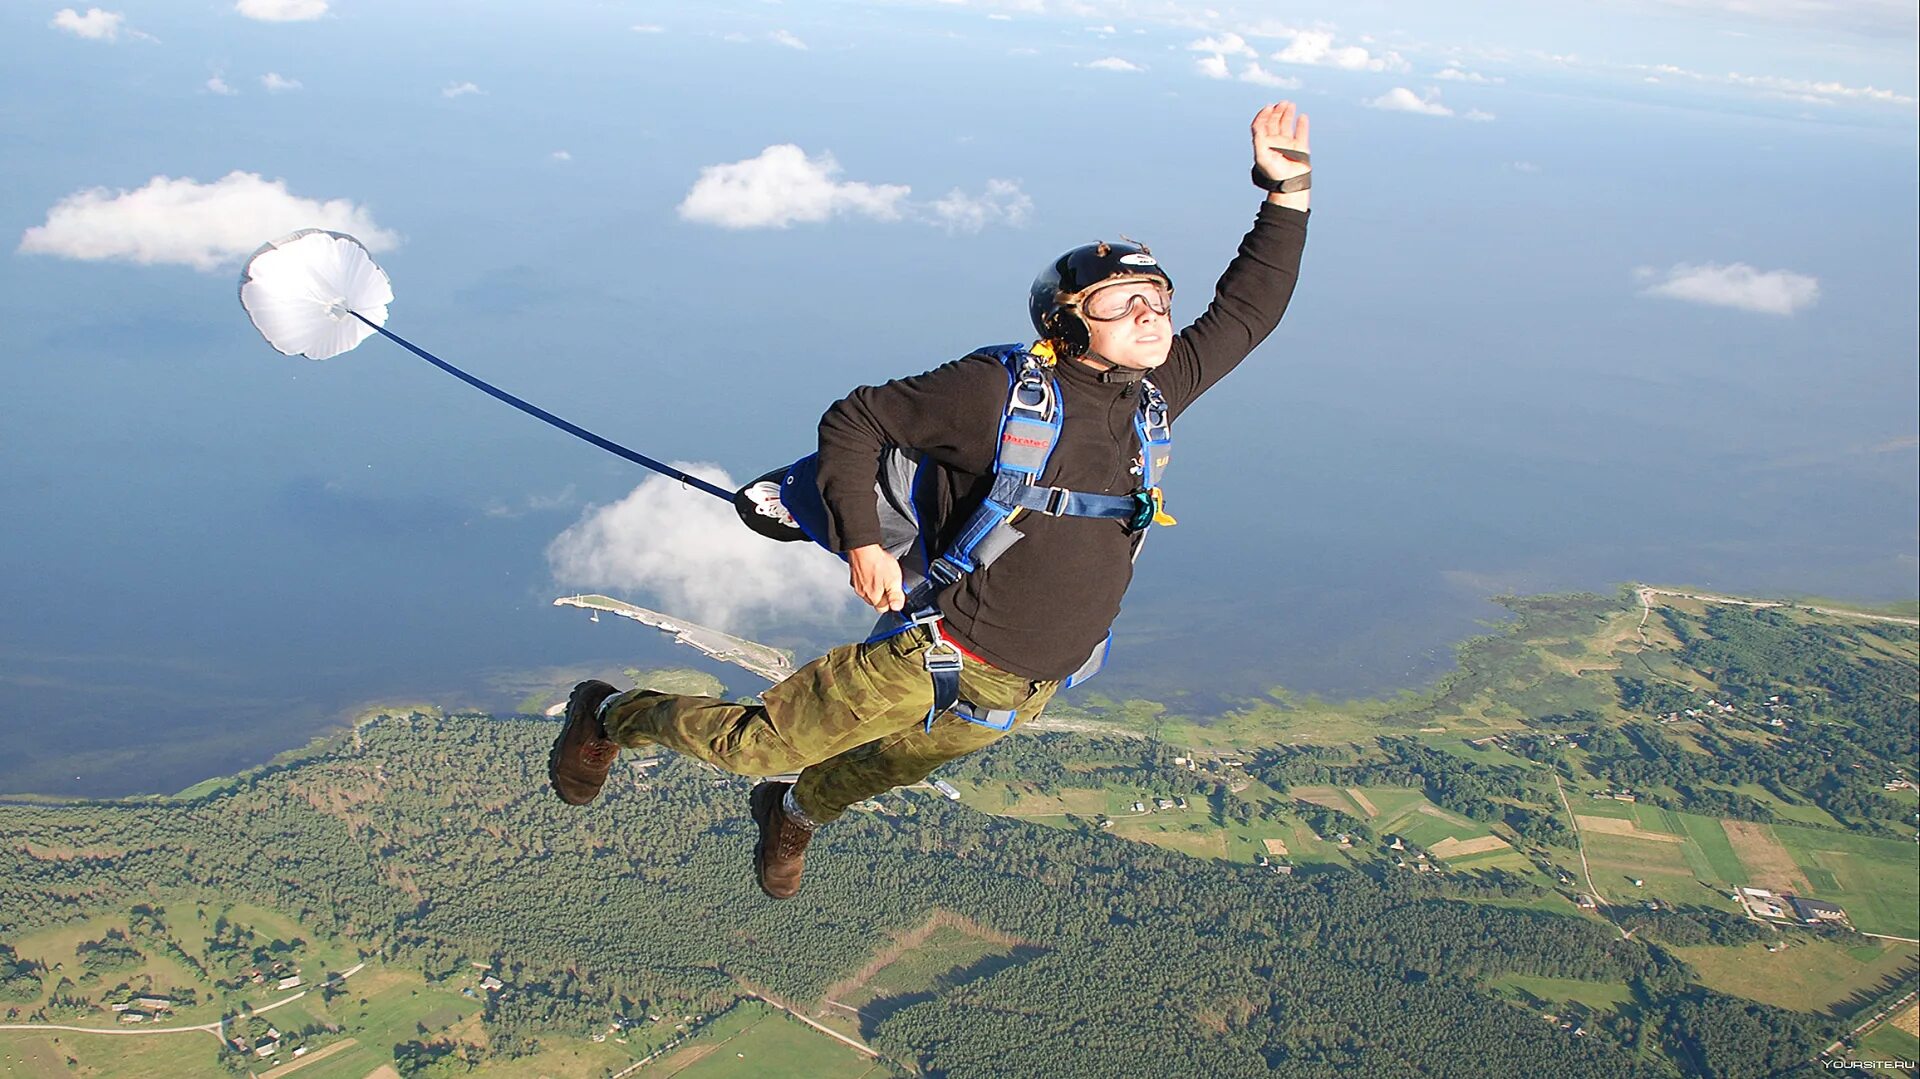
(1594, 292)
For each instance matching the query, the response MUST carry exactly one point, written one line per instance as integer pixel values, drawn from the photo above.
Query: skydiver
(860, 720)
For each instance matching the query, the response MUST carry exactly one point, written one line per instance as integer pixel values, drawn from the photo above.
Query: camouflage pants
(851, 722)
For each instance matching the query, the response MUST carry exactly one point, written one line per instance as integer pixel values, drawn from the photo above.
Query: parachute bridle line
(537, 412)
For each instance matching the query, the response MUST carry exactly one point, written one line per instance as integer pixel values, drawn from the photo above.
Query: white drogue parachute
(303, 290)
(317, 294)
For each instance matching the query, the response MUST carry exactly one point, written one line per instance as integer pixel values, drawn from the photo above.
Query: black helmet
(1056, 292)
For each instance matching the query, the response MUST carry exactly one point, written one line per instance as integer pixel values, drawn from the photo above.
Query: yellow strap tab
(1044, 351)
(1160, 515)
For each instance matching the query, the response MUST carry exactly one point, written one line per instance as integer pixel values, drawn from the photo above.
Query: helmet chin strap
(1112, 372)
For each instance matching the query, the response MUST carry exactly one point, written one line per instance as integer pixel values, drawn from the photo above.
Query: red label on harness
(1018, 441)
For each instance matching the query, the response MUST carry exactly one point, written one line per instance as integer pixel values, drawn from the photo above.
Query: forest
(433, 843)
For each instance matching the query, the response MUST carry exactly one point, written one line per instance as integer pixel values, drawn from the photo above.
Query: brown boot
(781, 853)
(582, 755)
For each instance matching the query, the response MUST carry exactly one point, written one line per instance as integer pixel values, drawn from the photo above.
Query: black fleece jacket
(1044, 604)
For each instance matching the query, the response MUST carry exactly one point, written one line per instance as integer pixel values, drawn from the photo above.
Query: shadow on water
(880, 1009)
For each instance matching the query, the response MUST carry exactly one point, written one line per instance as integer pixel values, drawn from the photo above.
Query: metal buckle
(1056, 501)
(943, 656)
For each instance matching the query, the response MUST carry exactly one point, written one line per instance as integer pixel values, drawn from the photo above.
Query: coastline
(357, 716)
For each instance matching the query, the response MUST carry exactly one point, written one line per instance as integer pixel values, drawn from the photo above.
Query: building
(1814, 912)
(291, 981)
(947, 789)
(158, 1004)
(492, 984)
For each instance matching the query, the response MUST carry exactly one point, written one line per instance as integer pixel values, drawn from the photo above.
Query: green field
(381, 1008)
(1809, 974)
(753, 1041)
(1715, 852)
(36, 1055)
(1601, 996)
(924, 967)
(1876, 880)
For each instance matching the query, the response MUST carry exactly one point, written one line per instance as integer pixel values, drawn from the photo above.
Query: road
(1878, 1016)
(1580, 846)
(215, 1029)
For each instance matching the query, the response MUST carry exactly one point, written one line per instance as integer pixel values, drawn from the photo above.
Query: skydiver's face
(1139, 338)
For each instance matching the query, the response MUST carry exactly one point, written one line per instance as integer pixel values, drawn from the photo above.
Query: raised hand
(1280, 140)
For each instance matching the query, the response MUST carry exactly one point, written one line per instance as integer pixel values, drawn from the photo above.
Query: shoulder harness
(1029, 430)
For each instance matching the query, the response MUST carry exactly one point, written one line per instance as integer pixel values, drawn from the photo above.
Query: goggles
(1111, 303)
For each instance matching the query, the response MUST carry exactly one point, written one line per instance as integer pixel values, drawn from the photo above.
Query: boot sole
(553, 756)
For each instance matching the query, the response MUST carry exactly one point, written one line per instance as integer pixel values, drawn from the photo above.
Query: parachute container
(303, 290)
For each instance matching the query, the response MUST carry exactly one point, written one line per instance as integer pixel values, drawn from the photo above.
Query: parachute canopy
(302, 291)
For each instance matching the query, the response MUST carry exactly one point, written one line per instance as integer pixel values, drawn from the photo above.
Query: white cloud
(1824, 92)
(282, 10)
(187, 223)
(277, 83)
(690, 550)
(1738, 285)
(1401, 99)
(781, 37)
(1316, 47)
(95, 25)
(781, 186)
(1101, 30)
(1213, 67)
(1480, 116)
(562, 155)
(1260, 76)
(1003, 202)
(1453, 72)
(1113, 63)
(460, 89)
(219, 86)
(648, 28)
(1224, 45)
(1524, 166)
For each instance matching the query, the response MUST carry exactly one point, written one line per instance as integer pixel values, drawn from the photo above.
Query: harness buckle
(1056, 501)
(943, 656)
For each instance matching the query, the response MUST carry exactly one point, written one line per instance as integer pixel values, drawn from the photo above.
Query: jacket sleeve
(951, 414)
(1247, 304)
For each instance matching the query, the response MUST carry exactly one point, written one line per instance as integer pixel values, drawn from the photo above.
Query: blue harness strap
(1029, 430)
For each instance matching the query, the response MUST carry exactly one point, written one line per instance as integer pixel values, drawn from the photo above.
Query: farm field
(44, 1055)
(1876, 880)
(380, 1008)
(753, 1040)
(1808, 975)
(1682, 857)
